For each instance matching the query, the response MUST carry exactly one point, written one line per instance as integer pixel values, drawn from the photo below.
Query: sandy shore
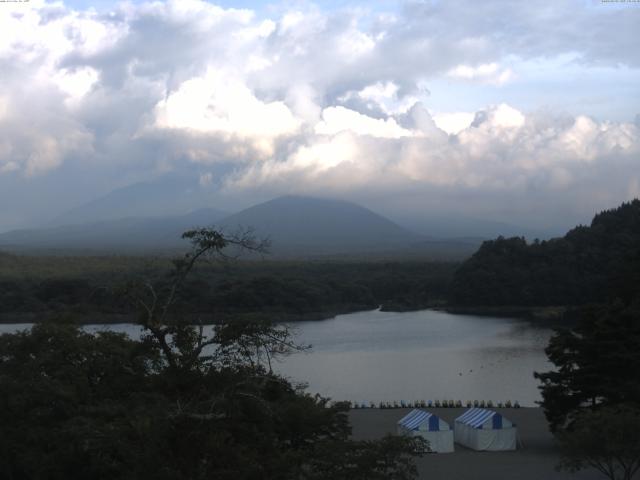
(534, 460)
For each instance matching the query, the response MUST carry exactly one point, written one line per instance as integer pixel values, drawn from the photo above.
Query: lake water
(425, 355)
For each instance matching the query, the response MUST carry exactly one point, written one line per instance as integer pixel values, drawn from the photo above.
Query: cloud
(500, 116)
(205, 179)
(219, 104)
(340, 119)
(502, 150)
(310, 99)
(37, 136)
(381, 98)
(453, 122)
(75, 83)
(487, 73)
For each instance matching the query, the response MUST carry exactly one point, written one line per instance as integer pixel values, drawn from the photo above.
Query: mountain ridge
(297, 226)
(293, 221)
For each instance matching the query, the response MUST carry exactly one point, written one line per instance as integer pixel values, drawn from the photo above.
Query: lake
(430, 355)
(424, 355)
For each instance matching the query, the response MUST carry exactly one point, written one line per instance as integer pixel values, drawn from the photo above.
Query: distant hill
(589, 264)
(298, 225)
(457, 226)
(458, 248)
(165, 196)
(126, 234)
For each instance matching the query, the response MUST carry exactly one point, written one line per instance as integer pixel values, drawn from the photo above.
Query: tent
(430, 427)
(482, 429)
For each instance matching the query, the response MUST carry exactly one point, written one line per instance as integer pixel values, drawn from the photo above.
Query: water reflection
(426, 355)
(377, 356)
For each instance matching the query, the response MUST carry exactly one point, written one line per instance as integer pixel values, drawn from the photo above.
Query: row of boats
(436, 404)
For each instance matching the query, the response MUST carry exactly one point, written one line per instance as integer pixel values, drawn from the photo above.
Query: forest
(590, 264)
(177, 403)
(91, 288)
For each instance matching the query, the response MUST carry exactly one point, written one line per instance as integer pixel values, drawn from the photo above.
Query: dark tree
(597, 364)
(595, 263)
(182, 403)
(605, 439)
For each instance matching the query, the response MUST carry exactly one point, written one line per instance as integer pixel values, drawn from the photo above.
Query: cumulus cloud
(486, 72)
(223, 105)
(502, 150)
(307, 100)
(340, 119)
(37, 136)
(453, 122)
(382, 98)
(75, 83)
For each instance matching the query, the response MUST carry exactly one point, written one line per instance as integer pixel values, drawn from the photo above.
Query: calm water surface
(374, 356)
(381, 356)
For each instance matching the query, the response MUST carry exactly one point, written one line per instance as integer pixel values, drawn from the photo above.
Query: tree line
(592, 396)
(271, 289)
(590, 264)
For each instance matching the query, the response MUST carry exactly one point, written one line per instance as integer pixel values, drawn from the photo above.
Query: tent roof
(415, 418)
(476, 417)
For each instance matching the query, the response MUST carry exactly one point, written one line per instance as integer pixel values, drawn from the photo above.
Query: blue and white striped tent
(428, 426)
(482, 429)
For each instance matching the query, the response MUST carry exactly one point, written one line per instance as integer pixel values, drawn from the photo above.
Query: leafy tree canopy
(597, 363)
(607, 440)
(180, 403)
(589, 264)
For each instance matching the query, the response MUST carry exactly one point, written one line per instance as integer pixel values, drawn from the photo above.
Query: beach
(535, 459)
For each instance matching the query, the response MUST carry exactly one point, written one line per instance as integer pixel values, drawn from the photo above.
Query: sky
(524, 112)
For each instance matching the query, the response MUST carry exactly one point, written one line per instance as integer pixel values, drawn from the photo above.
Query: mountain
(126, 234)
(297, 225)
(163, 197)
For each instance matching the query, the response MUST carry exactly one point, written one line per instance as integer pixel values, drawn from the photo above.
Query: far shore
(549, 315)
(543, 316)
(98, 318)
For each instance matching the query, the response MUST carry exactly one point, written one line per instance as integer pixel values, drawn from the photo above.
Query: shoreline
(543, 316)
(99, 318)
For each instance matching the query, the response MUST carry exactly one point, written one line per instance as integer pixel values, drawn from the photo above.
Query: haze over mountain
(314, 225)
(453, 226)
(172, 195)
(295, 226)
(163, 197)
(132, 234)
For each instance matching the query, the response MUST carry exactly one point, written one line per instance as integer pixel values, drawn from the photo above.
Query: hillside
(297, 227)
(589, 264)
(319, 226)
(167, 196)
